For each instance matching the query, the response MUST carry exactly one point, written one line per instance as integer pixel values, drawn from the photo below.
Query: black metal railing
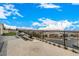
(66, 38)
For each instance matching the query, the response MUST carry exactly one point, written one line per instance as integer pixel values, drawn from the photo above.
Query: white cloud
(48, 24)
(2, 15)
(25, 28)
(9, 6)
(8, 10)
(18, 14)
(48, 5)
(9, 27)
(36, 23)
(14, 27)
(7, 13)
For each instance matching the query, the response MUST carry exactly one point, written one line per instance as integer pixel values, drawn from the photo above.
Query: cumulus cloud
(2, 15)
(36, 24)
(8, 10)
(48, 5)
(48, 24)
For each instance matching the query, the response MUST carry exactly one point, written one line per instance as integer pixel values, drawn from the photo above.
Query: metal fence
(68, 39)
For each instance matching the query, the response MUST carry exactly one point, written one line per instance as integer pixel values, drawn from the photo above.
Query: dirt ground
(19, 47)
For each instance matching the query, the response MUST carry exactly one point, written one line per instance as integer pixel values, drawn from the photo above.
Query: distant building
(1, 29)
(4, 30)
(9, 30)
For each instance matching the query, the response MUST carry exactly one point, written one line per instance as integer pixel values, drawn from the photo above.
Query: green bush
(9, 34)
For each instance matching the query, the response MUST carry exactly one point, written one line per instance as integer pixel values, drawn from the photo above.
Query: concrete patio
(20, 47)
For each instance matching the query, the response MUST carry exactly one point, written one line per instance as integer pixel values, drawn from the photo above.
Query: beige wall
(6, 31)
(1, 29)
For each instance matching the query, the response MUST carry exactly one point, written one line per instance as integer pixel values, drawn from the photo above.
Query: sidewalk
(19, 47)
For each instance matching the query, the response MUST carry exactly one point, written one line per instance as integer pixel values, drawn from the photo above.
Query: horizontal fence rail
(67, 39)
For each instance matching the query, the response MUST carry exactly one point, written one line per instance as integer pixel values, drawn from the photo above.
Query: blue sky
(47, 16)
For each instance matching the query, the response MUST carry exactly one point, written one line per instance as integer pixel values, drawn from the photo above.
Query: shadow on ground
(3, 48)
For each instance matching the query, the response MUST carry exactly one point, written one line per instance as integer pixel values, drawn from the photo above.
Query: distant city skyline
(40, 16)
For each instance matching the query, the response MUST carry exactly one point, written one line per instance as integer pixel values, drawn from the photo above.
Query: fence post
(77, 40)
(64, 41)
